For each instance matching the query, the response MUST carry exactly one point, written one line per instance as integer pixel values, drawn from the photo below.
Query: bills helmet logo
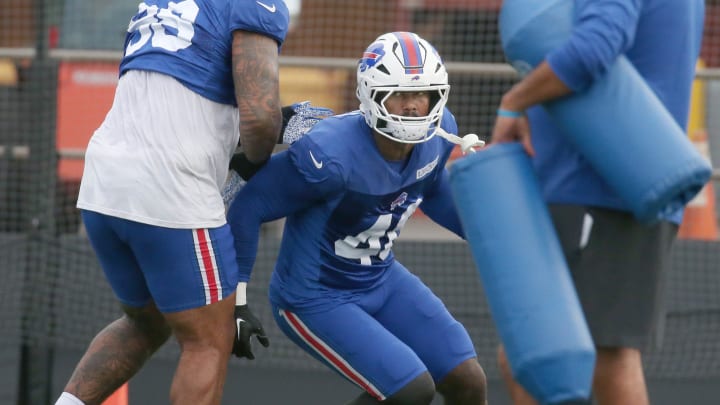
(372, 56)
(400, 200)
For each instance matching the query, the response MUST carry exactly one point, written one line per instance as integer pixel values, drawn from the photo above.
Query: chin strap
(467, 143)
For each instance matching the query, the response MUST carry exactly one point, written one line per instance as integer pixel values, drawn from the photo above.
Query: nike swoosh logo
(318, 165)
(238, 322)
(266, 7)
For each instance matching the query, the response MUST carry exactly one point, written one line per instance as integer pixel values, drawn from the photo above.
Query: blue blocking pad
(524, 273)
(618, 124)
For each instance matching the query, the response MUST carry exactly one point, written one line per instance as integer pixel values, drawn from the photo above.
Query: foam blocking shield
(618, 124)
(524, 274)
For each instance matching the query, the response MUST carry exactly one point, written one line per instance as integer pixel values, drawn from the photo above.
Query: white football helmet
(401, 61)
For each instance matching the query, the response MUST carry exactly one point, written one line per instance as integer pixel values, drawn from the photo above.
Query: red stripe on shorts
(208, 268)
(330, 356)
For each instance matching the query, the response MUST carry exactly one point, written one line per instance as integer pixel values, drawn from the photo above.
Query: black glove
(247, 325)
(245, 168)
(297, 120)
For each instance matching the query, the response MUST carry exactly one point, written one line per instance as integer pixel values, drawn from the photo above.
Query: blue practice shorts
(177, 268)
(382, 339)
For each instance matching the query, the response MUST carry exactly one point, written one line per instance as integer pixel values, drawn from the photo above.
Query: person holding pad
(618, 252)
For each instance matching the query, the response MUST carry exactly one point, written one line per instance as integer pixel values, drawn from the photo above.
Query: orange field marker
(119, 397)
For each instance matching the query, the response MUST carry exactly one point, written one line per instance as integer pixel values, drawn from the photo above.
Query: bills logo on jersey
(400, 200)
(372, 56)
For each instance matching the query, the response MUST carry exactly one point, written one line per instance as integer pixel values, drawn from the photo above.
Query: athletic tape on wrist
(508, 113)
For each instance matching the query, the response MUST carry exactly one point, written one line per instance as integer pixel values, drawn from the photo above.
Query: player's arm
(604, 30)
(297, 120)
(439, 206)
(255, 73)
(263, 199)
(289, 183)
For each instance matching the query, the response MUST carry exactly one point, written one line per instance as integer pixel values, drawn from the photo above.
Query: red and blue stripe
(412, 56)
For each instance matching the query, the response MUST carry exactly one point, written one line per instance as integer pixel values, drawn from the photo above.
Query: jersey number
(373, 237)
(170, 28)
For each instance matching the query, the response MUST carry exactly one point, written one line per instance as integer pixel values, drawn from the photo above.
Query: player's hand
(247, 325)
(513, 129)
(299, 118)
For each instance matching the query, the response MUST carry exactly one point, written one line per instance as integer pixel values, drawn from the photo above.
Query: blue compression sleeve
(263, 200)
(440, 207)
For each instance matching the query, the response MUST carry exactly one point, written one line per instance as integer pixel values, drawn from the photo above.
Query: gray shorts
(619, 267)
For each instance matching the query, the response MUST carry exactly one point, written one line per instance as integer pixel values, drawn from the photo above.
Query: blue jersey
(605, 29)
(345, 206)
(191, 40)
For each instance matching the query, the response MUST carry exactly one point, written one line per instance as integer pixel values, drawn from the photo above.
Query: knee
(150, 322)
(419, 391)
(466, 384)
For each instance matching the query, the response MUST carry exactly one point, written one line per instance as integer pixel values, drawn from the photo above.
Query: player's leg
(408, 395)
(419, 318)
(618, 267)
(117, 353)
(205, 337)
(192, 275)
(518, 395)
(619, 270)
(120, 349)
(349, 341)
(619, 377)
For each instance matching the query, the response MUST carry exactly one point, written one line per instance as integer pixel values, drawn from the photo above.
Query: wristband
(241, 294)
(508, 113)
(245, 168)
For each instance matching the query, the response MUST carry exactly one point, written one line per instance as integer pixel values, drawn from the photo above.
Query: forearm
(539, 86)
(264, 199)
(440, 206)
(255, 75)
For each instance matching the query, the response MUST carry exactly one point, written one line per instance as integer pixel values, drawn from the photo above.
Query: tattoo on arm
(255, 74)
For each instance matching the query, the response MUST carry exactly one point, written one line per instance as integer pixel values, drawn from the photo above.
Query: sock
(67, 398)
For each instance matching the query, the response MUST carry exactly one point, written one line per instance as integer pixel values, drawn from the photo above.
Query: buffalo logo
(400, 200)
(372, 56)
